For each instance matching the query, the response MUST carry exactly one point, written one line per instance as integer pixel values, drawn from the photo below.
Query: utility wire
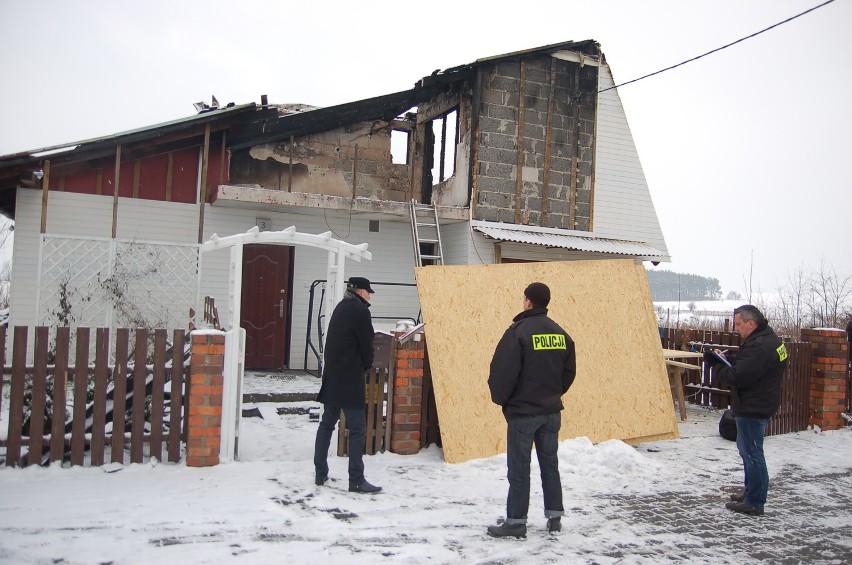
(719, 48)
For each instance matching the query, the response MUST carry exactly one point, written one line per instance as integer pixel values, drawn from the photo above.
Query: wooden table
(676, 370)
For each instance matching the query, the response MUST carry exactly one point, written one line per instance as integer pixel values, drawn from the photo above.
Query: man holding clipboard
(756, 374)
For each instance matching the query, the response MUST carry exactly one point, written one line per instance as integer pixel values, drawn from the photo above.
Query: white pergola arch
(338, 252)
(234, 363)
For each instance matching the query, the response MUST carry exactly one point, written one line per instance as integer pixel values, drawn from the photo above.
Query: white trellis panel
(70, 272)
(101, 282)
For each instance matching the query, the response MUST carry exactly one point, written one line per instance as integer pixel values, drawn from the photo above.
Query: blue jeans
(750, 445)
(523, 433)
(356, 423)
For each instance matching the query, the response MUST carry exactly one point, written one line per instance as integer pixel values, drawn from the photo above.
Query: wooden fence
(703, 387)
(97, 422)
(379, 412)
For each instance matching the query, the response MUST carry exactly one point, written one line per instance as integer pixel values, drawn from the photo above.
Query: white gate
(338, 252)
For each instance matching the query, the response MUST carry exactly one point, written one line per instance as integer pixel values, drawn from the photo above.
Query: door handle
(281, 308)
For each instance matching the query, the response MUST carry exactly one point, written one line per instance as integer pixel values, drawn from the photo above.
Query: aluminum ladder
(426, 230)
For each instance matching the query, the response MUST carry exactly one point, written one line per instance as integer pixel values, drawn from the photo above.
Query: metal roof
(553, 238)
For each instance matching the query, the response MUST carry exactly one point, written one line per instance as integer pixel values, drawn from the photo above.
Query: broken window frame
(441, 153)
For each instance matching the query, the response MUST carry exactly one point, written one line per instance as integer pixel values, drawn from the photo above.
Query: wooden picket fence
(142, 384)
(379, 413)
(703, 387)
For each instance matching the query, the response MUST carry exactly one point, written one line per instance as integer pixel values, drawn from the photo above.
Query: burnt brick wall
(572, 135)
(325, 163)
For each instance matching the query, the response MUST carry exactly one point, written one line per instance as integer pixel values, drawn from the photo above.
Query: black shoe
(744, 508)
(554, 524)
(320, 480)
(364, 487)
(738, 496)
(505, 530)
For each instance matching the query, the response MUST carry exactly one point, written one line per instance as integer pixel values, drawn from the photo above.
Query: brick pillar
(407, 395)
(205, 398)
(828, 376)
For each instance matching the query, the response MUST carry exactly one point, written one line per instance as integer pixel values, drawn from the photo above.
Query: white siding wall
(455, 239)
(623, 205)
(154, 220)
(461, 247)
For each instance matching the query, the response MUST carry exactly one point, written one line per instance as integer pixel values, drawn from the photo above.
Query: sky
(744, 150)
(266, 509)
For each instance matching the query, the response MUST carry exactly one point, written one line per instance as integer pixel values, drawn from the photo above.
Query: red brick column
(205, 398)
(407, 395)
(828, 376)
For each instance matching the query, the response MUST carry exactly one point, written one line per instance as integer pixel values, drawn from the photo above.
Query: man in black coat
(756, 374)
(533, 366)
(348, 355)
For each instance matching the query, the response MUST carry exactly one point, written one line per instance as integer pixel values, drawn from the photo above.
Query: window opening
(445, 130)
(399, 146)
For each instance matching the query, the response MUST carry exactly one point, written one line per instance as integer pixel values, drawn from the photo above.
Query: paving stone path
(798, 527)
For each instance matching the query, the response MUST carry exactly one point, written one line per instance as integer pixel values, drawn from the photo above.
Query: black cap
(361, 282)
(539, 294)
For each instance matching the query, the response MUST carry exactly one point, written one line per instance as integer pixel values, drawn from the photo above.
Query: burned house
(526, 156)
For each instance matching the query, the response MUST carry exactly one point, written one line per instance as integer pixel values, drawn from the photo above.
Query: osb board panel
(621, 390)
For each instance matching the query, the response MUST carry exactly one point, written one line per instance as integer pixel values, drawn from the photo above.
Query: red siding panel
(84, 182)
(185, 175)
(152, 183)
(125, 190)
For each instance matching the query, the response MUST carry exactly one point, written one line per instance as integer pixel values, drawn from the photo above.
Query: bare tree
(833, 292)
(787, 312)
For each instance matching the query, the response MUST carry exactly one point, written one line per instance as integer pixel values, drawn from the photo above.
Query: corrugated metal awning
(588, 244)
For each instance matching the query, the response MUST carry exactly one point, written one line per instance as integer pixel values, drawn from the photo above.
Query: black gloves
(709, 357)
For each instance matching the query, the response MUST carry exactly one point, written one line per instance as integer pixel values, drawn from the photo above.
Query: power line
(719, 48)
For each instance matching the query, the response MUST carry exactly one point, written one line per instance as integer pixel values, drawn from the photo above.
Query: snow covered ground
(656, 502)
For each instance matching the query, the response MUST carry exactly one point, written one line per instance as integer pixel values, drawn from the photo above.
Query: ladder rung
(424, 240)
(428, 225)
(430, 256)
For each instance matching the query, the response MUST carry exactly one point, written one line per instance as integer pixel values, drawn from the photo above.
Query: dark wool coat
(533, 366)
(756, 374)
(348, 353)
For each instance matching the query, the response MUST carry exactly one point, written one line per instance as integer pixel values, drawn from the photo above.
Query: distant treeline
(668, 286)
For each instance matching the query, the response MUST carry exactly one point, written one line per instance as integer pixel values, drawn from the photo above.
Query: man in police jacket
(348, 355)
(533, 366)
(756, 374)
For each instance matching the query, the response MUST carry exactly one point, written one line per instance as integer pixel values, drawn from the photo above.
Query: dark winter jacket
(532, 367)
(348, 353)
(756, 374)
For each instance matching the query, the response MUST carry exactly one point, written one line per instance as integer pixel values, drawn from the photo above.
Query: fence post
(828, 376)
(205, 398)
(407, 395)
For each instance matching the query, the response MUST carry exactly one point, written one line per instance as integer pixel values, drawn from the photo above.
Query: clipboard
(720, 358)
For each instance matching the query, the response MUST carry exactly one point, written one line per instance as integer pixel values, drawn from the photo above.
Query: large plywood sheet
(621, 390)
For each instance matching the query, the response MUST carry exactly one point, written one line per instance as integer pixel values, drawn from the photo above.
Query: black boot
(505, 530)
(364, 487)
(554, 524)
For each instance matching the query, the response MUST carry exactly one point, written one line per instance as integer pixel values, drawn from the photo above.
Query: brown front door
(265, 310)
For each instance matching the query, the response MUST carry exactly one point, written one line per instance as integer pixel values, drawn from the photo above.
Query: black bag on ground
(728, 426)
